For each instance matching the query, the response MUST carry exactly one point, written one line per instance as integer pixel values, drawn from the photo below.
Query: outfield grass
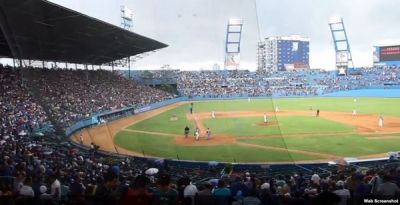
(384, 106)
(287, 125)
(346, 146)
(162, 122)
(154, 145)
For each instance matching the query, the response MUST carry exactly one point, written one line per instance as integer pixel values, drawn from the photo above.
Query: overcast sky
(195, 29)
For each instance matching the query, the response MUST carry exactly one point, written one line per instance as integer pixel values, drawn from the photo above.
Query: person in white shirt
(26, 189)
(315, 178)
(190, 191)
(265, 118)
(55, 190)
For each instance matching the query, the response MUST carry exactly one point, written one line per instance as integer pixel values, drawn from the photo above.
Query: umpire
(186, 131)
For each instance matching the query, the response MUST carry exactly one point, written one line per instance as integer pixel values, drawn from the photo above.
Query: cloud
(195, 29)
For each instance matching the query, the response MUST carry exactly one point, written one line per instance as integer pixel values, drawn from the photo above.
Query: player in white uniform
(213, 114)
(354, 112)
(381, 122)
(276, 109)
(81, 138)
(265, 118)
(197, 133)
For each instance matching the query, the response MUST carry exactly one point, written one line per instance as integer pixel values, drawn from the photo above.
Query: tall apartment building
(282, 53)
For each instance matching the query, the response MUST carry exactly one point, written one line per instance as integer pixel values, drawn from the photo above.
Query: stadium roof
(41, 30)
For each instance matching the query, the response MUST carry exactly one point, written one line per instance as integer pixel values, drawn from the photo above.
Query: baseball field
(240, 134)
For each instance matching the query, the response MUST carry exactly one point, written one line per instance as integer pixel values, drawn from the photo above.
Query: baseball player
(317, 113)
(248, 99)
(208, 134)
(276, 109)
(81, 138)
(213, 114)
(354, 112)
(265, 118)
(381, 121)
(197, 133)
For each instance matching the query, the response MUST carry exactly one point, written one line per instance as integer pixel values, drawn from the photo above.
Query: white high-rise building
(283, 53)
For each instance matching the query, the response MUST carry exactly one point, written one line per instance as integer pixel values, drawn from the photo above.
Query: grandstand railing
(117, 114)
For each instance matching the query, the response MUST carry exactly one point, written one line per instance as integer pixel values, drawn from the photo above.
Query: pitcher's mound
(215, 140)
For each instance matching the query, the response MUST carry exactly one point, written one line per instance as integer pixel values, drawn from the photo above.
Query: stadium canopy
(42, 30)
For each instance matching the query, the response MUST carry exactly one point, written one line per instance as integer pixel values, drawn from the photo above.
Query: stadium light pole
(342, 45)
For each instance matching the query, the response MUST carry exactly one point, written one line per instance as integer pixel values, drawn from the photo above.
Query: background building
(282, 53)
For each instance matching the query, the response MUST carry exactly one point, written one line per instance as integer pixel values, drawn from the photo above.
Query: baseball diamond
(293, 133)
(199, 102)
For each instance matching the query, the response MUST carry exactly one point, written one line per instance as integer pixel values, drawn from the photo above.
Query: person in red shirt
(138, 193)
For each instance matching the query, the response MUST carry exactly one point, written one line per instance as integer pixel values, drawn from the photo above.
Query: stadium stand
(37, 167)
(75, 94)
(42, 170)
(285, 83)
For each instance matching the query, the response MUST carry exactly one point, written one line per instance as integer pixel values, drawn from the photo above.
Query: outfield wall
(387, 93)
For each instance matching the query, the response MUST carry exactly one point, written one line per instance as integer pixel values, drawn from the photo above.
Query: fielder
(381, 121)
(276, 109)
(208, 134)
(197, 133)
(265, 118)
(354, 112)
(213, 114)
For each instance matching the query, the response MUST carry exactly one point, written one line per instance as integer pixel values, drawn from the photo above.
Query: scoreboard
(389, 53)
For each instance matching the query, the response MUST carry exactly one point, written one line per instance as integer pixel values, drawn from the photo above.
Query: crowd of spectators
(43, 170)
(19, 113)
(75, 94)
(283, 83)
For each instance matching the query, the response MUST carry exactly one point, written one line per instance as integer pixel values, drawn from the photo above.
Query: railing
(96, 119)
(116, 114)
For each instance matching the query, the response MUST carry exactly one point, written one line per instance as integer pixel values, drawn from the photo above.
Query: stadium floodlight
(126, 18)
(344, 59)
(232, 43)
(234, 21)
(335, 19)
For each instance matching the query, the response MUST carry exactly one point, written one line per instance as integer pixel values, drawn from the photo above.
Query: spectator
(164, 194)
(388, 188)
(222, 194)
(26, 190)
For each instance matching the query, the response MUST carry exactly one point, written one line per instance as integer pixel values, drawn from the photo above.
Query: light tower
(126, 18)
(232, 43)
(344, 60)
